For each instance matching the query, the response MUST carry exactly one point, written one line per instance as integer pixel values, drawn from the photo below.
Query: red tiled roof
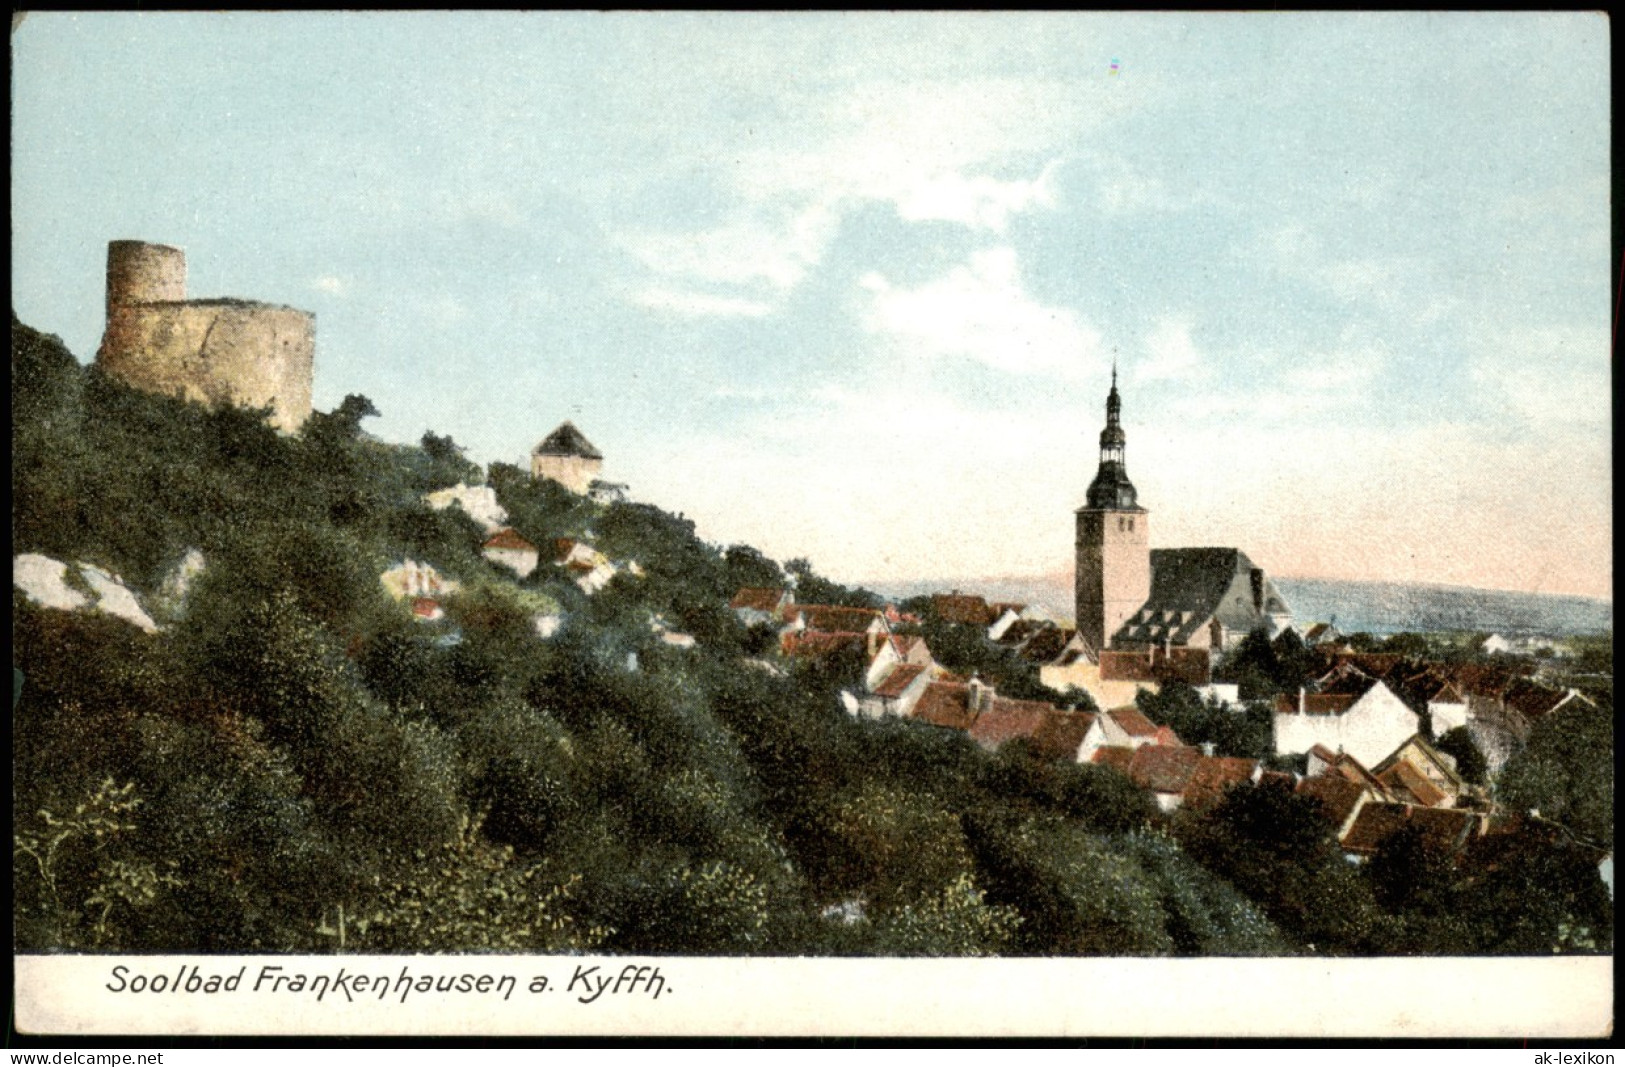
(425, 606)
(1328, 703)
(1338, 796)
(1116, 666)
(1164, 768)
(1215, 774)
(1001, 606)
(1276, 778)
(962, 608)
(1407, 783)
(1533, 700)
(1444, 828)
(1046, 643)
(509, 538)
(1322, 753)
(1007, 720)
(1132, 721)
(814, 643)
(1346, 766)
(757, 599)
(836, 619)
(900, 678)
(1118, 756)
(945, 704)
(1375, 824)
(1061, 734)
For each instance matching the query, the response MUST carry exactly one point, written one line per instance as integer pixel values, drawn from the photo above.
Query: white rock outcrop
(46, 582)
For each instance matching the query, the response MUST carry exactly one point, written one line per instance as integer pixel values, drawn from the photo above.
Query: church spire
(1111, 488)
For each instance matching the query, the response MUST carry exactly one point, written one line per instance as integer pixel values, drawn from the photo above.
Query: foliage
(295, 763)
(1470, 762)
(1563, 773)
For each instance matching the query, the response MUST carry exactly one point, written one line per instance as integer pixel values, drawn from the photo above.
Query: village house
(1418, 773)
(1165, 771)
(1340, 800)
(507, 549)
(411, 579)
(1127, 727)
(1346, 710)
(962, 609)
(587, 567)
(761, 607)
(567, 457)
(1428, 689)
(1445, 831)
(898, 692)
(478, 502)
(1215, 776)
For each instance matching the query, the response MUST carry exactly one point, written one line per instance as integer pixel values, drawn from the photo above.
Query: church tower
(1113, 579)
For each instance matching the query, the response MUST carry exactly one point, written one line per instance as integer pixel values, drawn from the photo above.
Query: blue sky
(850, 286)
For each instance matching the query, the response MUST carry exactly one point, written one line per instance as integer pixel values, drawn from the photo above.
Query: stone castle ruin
(220, 351)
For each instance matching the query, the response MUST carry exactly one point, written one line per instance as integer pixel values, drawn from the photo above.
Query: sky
(850, 287)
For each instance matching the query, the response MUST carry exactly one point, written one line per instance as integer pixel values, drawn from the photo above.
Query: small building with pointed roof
(567, 457)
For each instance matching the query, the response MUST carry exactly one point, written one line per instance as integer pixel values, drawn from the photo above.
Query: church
(1134, 598)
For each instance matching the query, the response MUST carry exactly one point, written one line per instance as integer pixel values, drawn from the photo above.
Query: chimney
(1258, 590)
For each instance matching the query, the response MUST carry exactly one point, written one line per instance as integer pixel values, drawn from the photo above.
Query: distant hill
(1374, 607)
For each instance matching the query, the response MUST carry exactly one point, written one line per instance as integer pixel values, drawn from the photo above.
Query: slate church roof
(567, 441)
(1190, 586)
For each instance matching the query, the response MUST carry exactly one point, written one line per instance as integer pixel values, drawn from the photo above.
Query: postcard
(1033, 524)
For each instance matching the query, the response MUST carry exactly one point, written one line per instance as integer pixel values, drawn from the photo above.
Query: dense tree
(1564, 773)
(1470, 762)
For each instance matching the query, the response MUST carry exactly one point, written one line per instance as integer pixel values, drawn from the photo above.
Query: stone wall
(238, 352)
(217, 352)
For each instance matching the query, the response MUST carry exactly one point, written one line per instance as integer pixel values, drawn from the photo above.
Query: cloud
(1553, 379)
(978, 202)
(1171, 354)
(980, 311)
(329, 283)
(691, 304)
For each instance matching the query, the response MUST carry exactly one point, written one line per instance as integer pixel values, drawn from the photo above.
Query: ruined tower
(1113, 577)
(222, 351)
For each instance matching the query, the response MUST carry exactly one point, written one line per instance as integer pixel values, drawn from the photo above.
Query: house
(759, 606)
(1418, 773)
(1017, 633)
(1227, 694)
(478, 502)
(898, 691)
(913, 649)
(1444, 830)
(1217, 775)
(1165, 770)
(1346, 710)
(1339, 799)
(826, 618)
(1067, 735)
(1432, 691)
(567, 457)
(410, 578)
(507, 549)
(601, 492)
(1007, 720)
(1323, 634)
(1118, 757)
(1129, 728)
(962, 609)
(1495, 644)
(1006, 617)
(427, 609)
(952, 705)
(589, 568)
